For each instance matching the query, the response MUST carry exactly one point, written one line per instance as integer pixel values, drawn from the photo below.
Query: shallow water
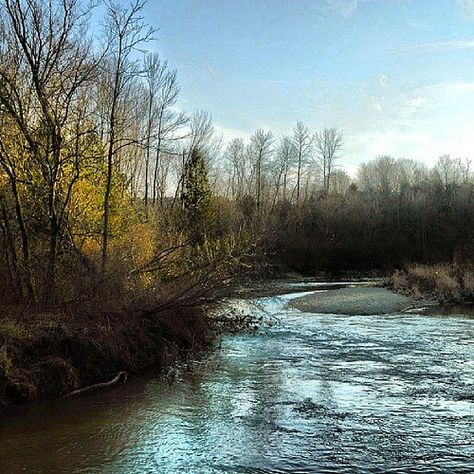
(315, 393)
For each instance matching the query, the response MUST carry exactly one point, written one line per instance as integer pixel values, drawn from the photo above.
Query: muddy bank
(48, 355)
(309, 395)
(51, 354)
(356, 301)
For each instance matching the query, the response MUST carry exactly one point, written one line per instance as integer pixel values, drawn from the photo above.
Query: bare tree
(340, 182)
(448, 171)
(126, 32)
(131, 151)
(285, 158)
(235, 156)
(466, 170)
(163, 122)
(45, 64)
(153, 74)
(201, 130)
(303, 143)
(329, 144)
(261, 146)
(379, 177)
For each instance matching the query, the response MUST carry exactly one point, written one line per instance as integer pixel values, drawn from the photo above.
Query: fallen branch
(115, 380)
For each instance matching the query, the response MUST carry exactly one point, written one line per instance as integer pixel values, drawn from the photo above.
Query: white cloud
(416, 102)
(447, 92)
(382, 79)
(388, 142)
(420, 144)
(229, 134)
(421, 124)
(377, 105)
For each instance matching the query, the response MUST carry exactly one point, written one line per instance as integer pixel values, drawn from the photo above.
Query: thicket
(447, 283)
(366, 228)
(102, 267)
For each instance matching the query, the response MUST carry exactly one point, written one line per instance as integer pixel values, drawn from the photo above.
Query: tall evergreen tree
(197, 198)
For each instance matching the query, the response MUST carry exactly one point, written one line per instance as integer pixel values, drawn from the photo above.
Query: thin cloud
(447, 90)
(440, 46)
(382, 79)
(431, 121)
(469, 7)
(345, 7)
(377, 105)
(213, 74)
(229, 134)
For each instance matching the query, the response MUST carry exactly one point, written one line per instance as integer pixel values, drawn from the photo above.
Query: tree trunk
(10, 251)
(108, 190)
(155, 173)
(298, 179)
(26, 264)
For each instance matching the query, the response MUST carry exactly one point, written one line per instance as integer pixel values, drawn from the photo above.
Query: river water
(314, 393)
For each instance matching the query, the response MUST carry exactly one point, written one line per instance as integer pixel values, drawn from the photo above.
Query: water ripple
(315, 394)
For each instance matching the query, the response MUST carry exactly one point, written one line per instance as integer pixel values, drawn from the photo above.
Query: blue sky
(397, 76)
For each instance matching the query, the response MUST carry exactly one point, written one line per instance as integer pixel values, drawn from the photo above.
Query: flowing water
(315, 393)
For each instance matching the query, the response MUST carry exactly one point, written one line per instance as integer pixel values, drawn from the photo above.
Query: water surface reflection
(317, 393)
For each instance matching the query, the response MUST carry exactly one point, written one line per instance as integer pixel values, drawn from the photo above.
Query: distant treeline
(395, 211)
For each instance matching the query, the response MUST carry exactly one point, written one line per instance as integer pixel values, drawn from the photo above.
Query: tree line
(394, 212)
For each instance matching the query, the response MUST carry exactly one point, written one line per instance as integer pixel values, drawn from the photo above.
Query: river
(313, 393)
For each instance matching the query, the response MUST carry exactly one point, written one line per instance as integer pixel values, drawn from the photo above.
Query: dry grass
(449, 283)
(468, 284)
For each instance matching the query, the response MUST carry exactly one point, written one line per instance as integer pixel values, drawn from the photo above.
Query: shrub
(468, 284)
(447, 288)
(449, 283)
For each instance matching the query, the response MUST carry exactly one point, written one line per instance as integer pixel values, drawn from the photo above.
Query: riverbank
(49, 354)
(292, 282)
(311, 394)
(358, 300)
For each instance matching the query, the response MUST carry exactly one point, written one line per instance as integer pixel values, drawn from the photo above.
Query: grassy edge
(447, 283)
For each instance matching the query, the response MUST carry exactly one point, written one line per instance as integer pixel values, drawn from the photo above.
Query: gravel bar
(356, 301)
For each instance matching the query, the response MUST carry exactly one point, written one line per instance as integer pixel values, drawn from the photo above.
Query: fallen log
(116, 379)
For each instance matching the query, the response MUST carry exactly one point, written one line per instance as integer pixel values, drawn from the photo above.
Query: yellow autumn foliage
(132, 239)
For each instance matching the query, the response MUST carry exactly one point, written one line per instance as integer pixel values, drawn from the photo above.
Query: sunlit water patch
(314, 393)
